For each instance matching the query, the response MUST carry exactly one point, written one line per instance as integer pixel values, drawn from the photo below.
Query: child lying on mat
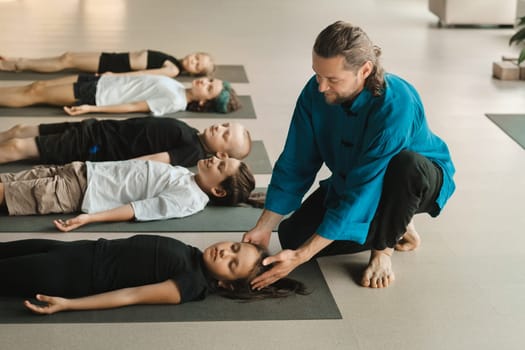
(143, 269)
(124, 94)
(125, 190)
(143, 61)
(164, 139)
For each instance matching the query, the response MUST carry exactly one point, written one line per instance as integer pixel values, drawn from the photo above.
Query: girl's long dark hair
(241, 289)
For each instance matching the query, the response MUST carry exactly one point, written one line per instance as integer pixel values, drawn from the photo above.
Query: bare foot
(7, 64)
(410, 240)
(379, 273)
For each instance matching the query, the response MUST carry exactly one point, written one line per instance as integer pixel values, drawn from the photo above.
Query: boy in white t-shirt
(125, 190)
(109, 93)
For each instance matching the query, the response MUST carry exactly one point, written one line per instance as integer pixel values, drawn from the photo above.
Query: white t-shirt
(155, 190)
(162, 94)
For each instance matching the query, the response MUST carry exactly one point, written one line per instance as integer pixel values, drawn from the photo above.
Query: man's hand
(78, 110)
(257, 236)
(71, 224)
(284, 263)
(53, 305)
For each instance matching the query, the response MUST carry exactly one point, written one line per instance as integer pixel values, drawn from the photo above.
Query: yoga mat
(258, 161)
(211, 219)
(246, 111)
(318, 305)
(232, 73)
(512, 124)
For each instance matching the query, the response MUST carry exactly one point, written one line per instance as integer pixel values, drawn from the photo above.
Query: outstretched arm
(165, 292)
(163, 157)
(135, 107)
(123, 213)
(287, 260)
(169, 71)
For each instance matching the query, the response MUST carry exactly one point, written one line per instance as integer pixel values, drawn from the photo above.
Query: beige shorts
(45, 189)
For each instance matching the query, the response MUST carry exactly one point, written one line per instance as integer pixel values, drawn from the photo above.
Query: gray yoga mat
(211, 219)
(318, 305)
(245, 112)
(230, 72)
(512, 124)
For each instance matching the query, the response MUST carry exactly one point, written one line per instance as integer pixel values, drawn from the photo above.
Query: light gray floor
(463, 289)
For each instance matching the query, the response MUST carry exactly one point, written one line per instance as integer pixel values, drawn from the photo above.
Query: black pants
(410, 186)
(46, 266)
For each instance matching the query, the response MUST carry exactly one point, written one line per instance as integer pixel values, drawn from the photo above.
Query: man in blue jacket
(369, 128)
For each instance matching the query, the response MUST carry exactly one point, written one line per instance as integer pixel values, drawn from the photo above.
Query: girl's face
(229, 261)
(213, 171)
(197, 63)
(204, 89)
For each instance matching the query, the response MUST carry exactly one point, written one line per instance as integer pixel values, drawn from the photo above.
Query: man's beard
(335, 99)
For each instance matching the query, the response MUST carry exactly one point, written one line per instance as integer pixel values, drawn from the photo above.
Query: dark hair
(239, 187)
(341, 38)
(241, 289)
(232, 105)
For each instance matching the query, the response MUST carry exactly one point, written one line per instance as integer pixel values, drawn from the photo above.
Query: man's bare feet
(379, 273)
(7, 64)
(410, 240)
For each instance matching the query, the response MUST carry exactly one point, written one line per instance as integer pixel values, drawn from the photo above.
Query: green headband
(221, 101)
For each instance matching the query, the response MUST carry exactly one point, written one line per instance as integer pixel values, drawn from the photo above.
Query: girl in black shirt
(143, 269)
(144, 61)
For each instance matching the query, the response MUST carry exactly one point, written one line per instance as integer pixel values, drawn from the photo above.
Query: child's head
(231, 139)
(227, 181)
(230, 261)
(199, 63)
(212, 95)
(234, 265)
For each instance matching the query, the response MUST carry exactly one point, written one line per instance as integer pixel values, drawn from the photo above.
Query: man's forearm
(268, 220)
(312, 246)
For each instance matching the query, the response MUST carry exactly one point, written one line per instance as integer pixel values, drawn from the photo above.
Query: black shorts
(114, 62)
(61, 143)
(85, 89)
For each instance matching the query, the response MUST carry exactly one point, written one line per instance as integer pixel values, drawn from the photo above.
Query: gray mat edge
(493, 118)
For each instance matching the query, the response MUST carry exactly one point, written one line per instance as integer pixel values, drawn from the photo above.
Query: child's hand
(78, 110)
(71, 224)
(53, 305)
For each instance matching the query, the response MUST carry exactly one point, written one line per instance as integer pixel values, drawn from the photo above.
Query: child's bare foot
(7, 64)
(410, 240)
(379, 273)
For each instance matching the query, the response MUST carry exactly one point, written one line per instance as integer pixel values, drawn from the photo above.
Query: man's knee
(405, 165)
(404, 160)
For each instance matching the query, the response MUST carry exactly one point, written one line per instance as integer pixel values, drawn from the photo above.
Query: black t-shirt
(106, 140)
(156, 59)
(147, 259)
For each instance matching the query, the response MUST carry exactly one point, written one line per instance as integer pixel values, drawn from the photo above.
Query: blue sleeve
(298, 164)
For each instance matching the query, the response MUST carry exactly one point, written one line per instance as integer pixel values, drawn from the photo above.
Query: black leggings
(411, 186)
(58, 268)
